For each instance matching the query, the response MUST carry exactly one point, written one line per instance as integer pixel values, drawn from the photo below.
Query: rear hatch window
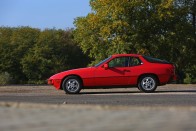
(155, 60)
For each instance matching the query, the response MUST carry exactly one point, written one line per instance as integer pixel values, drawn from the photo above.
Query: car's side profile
(118, 70)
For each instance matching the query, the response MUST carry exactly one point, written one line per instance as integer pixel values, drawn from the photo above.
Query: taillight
(171, 70)
(174, 69)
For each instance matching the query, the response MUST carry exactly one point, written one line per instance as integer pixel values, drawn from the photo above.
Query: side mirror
(105, 66)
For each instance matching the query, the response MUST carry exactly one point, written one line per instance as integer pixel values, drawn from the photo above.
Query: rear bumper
(173, 79)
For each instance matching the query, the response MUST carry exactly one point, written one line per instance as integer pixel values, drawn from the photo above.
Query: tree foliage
(30, 55)
(163, 29)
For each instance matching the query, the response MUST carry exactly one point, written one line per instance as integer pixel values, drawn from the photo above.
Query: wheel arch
(70, 76)
(149, 74)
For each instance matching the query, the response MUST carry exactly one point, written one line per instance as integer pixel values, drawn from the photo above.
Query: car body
(118, 70)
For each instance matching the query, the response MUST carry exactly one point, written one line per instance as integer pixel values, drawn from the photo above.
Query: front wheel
(147, 84)
(72, 85)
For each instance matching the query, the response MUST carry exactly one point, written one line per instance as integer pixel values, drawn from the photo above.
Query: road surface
(169, 95)
(35, 108)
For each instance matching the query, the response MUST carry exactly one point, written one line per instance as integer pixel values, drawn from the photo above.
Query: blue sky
(42, 13)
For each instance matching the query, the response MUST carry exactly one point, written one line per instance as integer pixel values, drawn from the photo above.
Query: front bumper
(55, 82)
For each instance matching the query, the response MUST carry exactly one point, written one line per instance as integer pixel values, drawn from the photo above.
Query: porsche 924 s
(120, 70)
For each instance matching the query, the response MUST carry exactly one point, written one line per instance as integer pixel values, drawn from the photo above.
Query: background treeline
(164, 29)
(29, 55)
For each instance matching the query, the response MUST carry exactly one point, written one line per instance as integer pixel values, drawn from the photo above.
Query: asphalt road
(169, 95)
(35, 108)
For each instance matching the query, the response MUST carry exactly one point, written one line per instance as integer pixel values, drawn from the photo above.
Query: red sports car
(120, 70)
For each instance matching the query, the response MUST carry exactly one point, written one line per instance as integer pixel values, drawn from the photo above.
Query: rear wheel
(147, 83)
(72, 85)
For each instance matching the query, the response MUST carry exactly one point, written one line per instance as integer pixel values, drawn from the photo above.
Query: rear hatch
(171, 68)
(155, 60)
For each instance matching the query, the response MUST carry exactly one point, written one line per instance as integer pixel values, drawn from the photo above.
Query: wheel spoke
(72, 85)
(148, 83)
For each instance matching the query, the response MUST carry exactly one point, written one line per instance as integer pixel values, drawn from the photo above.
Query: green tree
(5, 40)
(105, 30)
(54, 52)
(15, 43)
(158, 28)
(29, 55)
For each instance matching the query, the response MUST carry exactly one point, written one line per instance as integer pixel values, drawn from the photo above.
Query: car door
(136, 69)
(117, 73)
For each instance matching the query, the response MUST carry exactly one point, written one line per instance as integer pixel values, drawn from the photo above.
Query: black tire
(147, 83)
(138, 88)
(72, 85)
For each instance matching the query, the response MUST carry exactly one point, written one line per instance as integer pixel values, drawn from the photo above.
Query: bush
(190, 79)
(5, 78)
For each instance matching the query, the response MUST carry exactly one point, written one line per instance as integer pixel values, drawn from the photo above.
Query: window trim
(141, 63)
(129, 65)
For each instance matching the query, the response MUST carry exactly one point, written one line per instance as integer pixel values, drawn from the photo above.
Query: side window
(119, 62)
(134, 61)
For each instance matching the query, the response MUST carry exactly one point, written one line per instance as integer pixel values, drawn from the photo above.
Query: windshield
(102, 61)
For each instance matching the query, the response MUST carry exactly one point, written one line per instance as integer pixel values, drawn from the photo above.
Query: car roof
(134, 55)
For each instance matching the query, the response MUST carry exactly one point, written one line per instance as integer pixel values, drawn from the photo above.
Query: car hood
(80, 71)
